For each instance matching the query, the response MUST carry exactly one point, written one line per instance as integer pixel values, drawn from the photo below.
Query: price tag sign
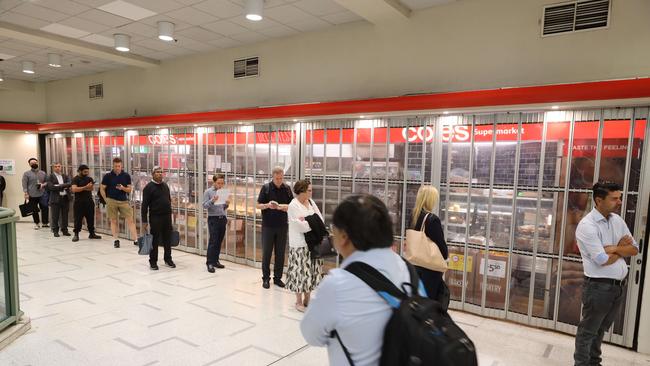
(495, 268)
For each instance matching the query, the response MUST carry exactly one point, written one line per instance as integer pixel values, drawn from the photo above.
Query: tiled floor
(91, 304)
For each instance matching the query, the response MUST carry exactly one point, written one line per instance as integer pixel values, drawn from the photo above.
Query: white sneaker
(37, 226)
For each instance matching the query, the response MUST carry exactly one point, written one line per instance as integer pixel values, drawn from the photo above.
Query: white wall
(19, 147)
(22, 101)
(466, 45)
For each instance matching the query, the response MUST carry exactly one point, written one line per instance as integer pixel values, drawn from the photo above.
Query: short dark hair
(117, 160)
(301, 186)
(603, 188)
(216, 177)
(365, 220)
(82, 167)
(30, 160)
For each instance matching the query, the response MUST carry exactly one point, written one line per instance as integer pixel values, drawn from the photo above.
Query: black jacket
(156, 201)
(3, 184)
(55, 188)
(317, 233)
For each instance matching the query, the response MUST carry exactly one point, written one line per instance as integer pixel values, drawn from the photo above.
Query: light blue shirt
(593, 234)
(345, 303)
(213, 210)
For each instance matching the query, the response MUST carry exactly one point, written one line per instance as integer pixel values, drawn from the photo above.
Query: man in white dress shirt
(604, 241)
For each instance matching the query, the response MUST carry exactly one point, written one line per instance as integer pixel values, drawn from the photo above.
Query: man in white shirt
(604, 241)
(58, 184)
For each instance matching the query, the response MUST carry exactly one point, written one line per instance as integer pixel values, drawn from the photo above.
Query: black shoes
(279, 283)
(170, 264)
(210, 268)
(75, 237)
(153, 267)
(65, 233)
(46, 225)
(94, 236)
(266, 284)
(135, 243)
(116, 244)
(219, 265)
(56, 235)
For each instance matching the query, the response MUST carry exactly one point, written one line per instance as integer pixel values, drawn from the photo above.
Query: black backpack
(420, 331)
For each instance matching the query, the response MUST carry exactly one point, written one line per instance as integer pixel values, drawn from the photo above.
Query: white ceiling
(201, 26)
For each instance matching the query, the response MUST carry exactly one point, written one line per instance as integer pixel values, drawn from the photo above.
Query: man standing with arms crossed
(274, 200)
(157, 211)
(82, 187)
(58, 185)
(217, 221)
(34, 187)
(604, 241)
(116, 185)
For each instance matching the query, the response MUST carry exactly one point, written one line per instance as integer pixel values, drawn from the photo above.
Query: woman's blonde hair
(427, 199)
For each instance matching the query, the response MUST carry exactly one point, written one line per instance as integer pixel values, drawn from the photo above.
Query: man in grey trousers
(34, 187)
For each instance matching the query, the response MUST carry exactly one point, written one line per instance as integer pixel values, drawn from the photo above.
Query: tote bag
(422, 251)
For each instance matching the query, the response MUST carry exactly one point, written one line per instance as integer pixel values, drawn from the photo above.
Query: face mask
(34, 166)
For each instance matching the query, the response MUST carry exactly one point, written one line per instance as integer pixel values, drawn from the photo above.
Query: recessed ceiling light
(2, 75)
(54, 59)
(96, 130)
(195, 125)
(122, 42)
(124, 129)
(64, 30)
(26, 132)
(157, 126)
(445, 112)
(166, 31)
(28, 67)
(555, 107)
(72, 130)
(254, 9)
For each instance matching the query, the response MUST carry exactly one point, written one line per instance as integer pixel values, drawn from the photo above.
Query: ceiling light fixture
(254, 9)
(2, 76)
(445, 112)
(122, 42)
(54, 59)
(555, 107)
(166, 31)
(28, 67)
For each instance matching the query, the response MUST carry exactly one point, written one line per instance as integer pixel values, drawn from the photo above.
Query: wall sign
(7, 166)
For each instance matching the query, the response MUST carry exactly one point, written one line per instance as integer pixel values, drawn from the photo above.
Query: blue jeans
(601, 303)
(217, 230)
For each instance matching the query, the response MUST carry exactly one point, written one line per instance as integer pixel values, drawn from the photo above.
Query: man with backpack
(374, 310)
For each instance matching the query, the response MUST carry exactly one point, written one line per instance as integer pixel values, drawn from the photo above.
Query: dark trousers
(601, 303)
(37, 202)
(160, 226)
(84, 210)
(431, 280)
(273, 238)
(60, 214)
(217, 228)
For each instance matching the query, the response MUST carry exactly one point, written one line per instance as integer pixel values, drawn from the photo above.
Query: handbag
(324, 249)
(175, 238)
(27, 209)
(145, 244)
(422, 251)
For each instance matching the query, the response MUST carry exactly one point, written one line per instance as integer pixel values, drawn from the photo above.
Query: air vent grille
(96, 91)
(247, 67)
(576, 16)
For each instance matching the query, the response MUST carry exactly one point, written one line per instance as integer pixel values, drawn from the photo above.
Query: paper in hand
(223, 195)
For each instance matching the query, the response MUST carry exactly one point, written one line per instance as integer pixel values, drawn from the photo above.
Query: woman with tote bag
(424, 220)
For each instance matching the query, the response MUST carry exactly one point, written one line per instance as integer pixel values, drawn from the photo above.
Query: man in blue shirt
(116, 185)
(217, 221)
(604, 241)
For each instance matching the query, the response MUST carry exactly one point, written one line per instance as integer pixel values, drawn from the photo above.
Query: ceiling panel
(220, 8)
(86, 25)
(105, 18)
(127, 10)
(64, 30)
(287, 14)
(319, 7)
(159, 6)
(423, 4)
(8, 4)
(225, 28)
(308, 25)
(199, 34)
(249, 37)
(63, 6)
(341, 18)
(192, 16)
(225, 43)
(39, 12)
(279, 31)
(24, 20)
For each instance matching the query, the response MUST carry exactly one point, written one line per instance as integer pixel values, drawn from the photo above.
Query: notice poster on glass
(225, 167)
(213, 162)
(7, 166)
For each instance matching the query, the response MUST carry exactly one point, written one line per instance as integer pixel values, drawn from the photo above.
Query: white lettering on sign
(162, 139)
(426, 134)
(495, 268)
